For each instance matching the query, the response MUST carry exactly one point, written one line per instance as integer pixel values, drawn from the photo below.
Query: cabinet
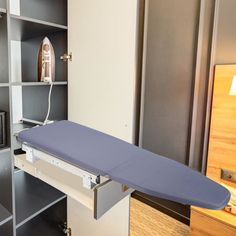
(6, 205)
(104, 39)
(29, 206)
(6, 211)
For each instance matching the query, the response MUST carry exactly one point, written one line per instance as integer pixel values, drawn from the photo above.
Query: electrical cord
(49, 103)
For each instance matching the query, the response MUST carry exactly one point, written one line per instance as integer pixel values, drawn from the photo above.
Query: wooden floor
(146, 221)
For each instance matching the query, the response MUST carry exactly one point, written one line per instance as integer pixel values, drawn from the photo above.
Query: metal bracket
(231, 209)
(29, 154)
(89, 180)
(229, 175)
(125, 188)
(65, 229)
(66, 57)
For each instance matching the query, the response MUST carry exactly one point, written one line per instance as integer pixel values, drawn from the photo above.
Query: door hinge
(65, 229)
(66, 57)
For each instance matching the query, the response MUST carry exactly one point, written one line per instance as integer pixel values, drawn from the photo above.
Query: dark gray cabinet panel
(5, 179)
(4, 106)
(47, 223)
(3, 49)
(175, 83)
(201, 86)
(53, 11)
(35, 102)
(170, 68)
(7, 229)
(226, 33)
(39, 194)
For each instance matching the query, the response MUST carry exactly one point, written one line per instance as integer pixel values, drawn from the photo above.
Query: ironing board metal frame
(32, 155)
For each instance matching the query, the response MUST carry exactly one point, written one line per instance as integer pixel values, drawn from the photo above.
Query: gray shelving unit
(5, 215)
(29, 206)
(44, 224)
(2, 85)
(39, 227)
(24, 28)
(40, 195)
(37, 83)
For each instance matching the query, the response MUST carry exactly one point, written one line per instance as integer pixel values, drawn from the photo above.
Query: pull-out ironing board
(127, 164)
(99, 172)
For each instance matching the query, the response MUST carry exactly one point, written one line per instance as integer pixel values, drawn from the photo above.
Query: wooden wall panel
(211, 223)
(146, 221)
(222, 144)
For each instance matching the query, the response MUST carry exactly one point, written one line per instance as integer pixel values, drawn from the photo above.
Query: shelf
(47, 10)
(20, 126)
(39, 227)
(24, 28)
(33, 197)
(2, 85)
(5, 215)
(5, 149)
(38, 83)
(17, 170)
(3, 10)
(35, 102)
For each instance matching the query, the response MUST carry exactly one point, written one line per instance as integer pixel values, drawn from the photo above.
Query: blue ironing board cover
(125, 163)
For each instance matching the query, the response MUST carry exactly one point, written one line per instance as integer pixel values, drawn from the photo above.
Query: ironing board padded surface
(125, 163)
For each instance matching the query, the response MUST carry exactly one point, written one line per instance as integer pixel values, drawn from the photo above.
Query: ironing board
(104, 155)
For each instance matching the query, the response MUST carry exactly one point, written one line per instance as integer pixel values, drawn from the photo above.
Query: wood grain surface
(221, 154)
(222, 143)
(147, 221)
(212, 223)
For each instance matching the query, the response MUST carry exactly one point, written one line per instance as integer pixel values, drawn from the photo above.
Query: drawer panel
(99, 199)
(107, 195)
(62, 180)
